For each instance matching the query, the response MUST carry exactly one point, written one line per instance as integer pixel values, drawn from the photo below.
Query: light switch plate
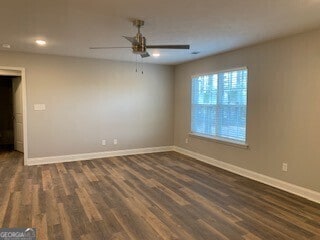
(39, 107)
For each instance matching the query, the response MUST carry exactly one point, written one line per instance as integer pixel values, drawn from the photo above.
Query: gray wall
(89, 100)
(283, 108)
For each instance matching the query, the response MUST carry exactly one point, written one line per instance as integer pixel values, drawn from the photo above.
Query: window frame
(222, 140)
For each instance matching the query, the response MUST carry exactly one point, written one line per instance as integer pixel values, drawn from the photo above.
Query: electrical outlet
(187, 140)
(115, 141)
(285, 167)
(104, 142)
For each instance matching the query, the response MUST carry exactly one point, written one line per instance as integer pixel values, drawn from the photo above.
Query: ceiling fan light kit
(139, 44)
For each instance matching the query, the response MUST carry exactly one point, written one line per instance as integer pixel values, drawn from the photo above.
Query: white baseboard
(288, 187)
(88, 156)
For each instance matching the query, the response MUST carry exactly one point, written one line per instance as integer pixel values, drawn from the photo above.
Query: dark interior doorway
(6, 114)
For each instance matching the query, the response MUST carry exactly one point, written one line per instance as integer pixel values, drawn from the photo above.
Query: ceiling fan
(139, 44)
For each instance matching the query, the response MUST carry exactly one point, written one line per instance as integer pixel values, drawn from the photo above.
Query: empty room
(151, 120)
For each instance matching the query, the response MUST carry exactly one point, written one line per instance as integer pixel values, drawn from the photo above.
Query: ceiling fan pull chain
(141, 65)
(136, 63)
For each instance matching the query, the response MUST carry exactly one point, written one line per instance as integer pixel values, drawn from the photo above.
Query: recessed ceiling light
(6, 45)
(156, 54)
(41, 42)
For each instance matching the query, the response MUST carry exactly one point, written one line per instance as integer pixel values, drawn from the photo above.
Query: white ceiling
(209, 26)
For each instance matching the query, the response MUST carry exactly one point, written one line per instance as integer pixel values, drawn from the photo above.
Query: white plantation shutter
(219, 105)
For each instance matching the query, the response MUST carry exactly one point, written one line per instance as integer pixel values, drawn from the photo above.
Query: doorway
(13, 111)
(6, 114)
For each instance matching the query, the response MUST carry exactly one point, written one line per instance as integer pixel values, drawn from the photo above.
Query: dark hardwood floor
(150, 196)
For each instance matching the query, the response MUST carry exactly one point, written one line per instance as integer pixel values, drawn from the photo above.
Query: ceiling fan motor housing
(140, 46)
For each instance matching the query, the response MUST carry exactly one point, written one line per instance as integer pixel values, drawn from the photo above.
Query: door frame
(20, 71)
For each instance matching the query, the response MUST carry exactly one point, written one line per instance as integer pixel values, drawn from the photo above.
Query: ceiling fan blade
(144, 55)
(133, 40)
(106, 47)
(169, 46)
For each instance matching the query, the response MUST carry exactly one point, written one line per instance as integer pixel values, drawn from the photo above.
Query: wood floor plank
(65, 185)
(4, 207)
(26, 192)
(159, 196)
(91, 177)
(216, 234)
(210, 206)
(65, 223)
(88, 205)
(46, 180)
(251, 236)
(51, 208)
(35, 203)
(61, 168)
(14, 215)
(40, 223)
(5, 198)
(162, 229)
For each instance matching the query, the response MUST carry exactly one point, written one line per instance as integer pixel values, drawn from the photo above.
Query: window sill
(220, 140)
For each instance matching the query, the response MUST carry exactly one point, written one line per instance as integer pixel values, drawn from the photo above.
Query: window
(219, 105)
